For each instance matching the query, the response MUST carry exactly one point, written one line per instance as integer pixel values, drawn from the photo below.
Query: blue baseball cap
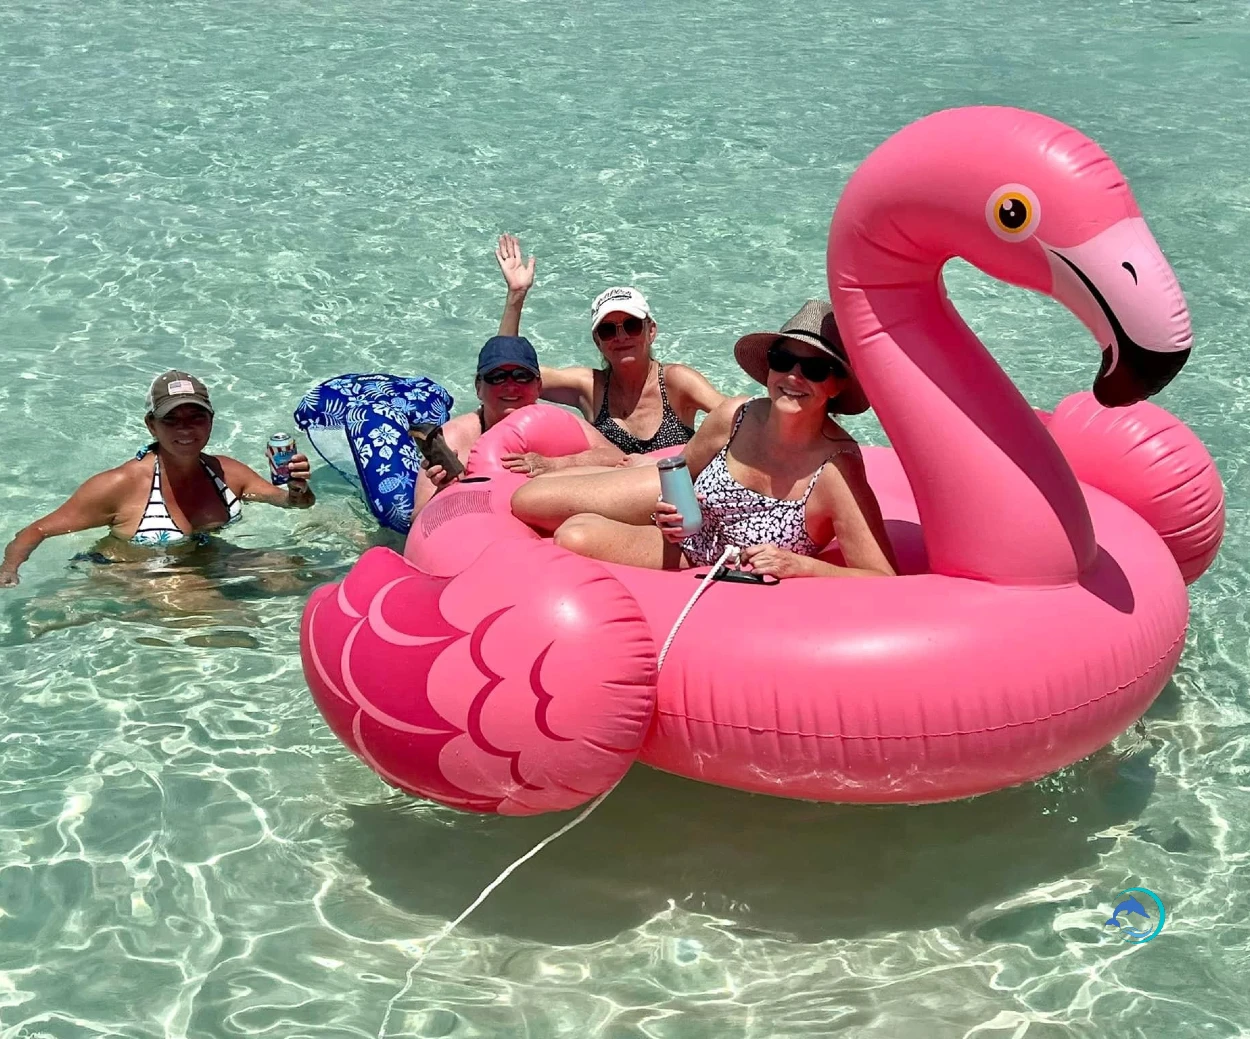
(501, 350)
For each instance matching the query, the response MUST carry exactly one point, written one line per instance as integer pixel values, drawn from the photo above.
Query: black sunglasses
(521, 376)
(631, 326)
(813, 369)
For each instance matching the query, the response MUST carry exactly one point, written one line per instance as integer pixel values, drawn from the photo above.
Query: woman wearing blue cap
(508, 377)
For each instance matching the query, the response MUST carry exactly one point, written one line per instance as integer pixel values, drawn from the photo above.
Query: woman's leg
(577, 470)
(586, 470)
(615, 542)
(626, 495)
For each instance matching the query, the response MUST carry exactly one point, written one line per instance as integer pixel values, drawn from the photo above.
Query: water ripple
(273, 194)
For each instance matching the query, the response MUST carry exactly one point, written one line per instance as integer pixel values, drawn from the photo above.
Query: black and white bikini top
(157, 527)
(671, 433)
(736, 515)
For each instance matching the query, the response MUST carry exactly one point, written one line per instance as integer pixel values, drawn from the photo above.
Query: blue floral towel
(359, 424)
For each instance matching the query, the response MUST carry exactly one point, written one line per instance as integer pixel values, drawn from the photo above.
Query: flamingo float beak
(1121, 287)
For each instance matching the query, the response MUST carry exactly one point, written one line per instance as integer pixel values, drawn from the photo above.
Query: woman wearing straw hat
(777, 476)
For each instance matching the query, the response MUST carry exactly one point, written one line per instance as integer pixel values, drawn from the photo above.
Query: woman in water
(777, 476)
(637, 403)
(171, 494)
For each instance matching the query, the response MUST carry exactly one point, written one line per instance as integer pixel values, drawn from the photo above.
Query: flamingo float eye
(1013, 212)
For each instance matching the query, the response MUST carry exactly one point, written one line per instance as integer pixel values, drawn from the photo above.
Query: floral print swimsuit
(736, 515)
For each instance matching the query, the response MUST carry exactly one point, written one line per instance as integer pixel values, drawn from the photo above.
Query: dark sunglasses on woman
(631, 326)
(521, 376)
(813, 369)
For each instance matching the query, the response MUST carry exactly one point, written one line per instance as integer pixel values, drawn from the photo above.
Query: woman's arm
(519, 277)
(460, 434)
(847, 508)
(427, 485)
(249, 485)
(689, 392)
(857, 520)
(94, 504)
(574, 387)
(600, 453)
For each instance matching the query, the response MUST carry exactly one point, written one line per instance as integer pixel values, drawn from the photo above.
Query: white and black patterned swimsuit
(737, 515)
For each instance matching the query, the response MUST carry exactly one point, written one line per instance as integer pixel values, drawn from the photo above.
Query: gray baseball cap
(173, 389)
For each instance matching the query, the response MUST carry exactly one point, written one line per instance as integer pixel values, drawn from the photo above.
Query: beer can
(280, 450)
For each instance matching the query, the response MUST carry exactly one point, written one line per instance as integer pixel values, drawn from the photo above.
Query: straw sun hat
(814, 325)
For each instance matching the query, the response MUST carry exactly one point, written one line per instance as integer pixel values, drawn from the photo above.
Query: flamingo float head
(1032, 202)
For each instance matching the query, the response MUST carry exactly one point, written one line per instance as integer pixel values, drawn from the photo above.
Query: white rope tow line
(730, 553)
(729, 557)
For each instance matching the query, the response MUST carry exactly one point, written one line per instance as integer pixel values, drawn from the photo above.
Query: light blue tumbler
(677, 488)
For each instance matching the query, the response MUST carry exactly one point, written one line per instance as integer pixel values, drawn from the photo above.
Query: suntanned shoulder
(694, 384)
(676, 370)
(119, 480)
(683, 376)
(722, 416)
(847, 459)
(712, 435)
(225, 466)
(107, 492)
(462, 432)
(844, 474)
(238, 476)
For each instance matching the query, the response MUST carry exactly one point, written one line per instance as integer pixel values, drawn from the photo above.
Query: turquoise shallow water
(275, 193)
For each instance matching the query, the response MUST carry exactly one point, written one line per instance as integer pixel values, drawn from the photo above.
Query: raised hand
(518, 273)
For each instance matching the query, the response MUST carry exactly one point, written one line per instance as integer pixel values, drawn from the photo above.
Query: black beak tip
(1110, 396)
(1138, 374)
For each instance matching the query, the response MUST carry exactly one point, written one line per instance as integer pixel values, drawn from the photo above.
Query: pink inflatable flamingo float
(1043, 605)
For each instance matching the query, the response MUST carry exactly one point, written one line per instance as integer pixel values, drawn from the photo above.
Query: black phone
(434, 447)
(737, 576)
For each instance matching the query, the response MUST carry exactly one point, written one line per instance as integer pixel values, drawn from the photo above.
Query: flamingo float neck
(1034, 203)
